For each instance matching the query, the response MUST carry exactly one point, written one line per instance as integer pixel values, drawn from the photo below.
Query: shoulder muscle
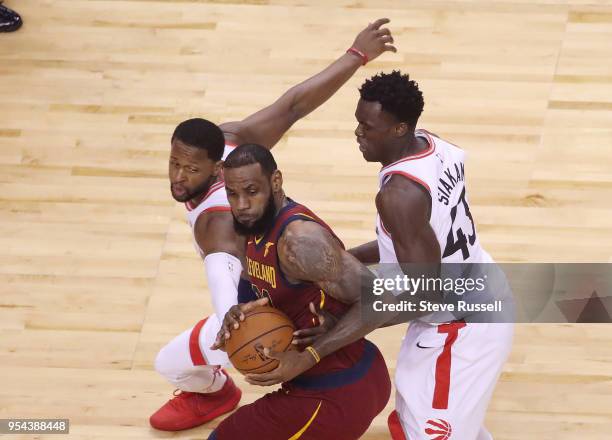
(308, 252)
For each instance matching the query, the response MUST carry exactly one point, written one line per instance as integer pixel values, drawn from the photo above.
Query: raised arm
(268, 125)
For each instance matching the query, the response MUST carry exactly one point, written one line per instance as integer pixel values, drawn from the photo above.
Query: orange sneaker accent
(188, 410)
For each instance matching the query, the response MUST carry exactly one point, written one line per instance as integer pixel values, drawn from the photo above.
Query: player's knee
(165, 364)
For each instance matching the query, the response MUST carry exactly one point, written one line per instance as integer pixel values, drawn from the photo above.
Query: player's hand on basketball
(374, 39)
(232, 319)
(292, 363)
(307, 336)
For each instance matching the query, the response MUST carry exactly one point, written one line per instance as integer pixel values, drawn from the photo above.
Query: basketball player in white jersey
(447, 369)
(198, 147)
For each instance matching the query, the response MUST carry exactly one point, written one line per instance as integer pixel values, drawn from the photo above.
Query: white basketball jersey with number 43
(440, 171)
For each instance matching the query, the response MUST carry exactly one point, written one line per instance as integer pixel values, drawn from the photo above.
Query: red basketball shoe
(188, 410)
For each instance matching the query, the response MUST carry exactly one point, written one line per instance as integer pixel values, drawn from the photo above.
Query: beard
(196, 192)
(262, 224)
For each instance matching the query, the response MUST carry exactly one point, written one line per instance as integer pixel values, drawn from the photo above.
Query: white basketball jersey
(435, 397)
(440, 171)
(214, 200)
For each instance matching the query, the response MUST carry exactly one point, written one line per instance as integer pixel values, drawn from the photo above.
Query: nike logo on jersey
(421, 346)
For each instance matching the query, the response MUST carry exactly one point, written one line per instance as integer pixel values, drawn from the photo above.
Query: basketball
(262, 327)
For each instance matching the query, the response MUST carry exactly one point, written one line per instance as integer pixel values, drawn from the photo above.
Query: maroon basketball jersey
(293, 299)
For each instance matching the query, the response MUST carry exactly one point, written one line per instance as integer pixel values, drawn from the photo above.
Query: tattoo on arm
(310, 253)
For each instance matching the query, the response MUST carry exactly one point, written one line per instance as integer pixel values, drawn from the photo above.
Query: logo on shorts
(438, 429)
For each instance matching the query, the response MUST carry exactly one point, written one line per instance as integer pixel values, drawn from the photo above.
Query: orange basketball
(262, 327)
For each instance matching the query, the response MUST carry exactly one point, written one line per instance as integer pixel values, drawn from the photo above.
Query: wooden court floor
(97, 268)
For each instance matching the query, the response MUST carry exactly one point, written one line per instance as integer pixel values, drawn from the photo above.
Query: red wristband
(360, 54)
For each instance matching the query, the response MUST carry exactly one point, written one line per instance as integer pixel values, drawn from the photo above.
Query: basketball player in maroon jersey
(198, 146)
(294, 259)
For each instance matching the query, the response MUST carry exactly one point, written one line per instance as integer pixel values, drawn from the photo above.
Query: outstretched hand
(232, 320)
(374, 40)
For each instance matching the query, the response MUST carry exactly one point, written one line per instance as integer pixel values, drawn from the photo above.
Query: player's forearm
(223, 273)
(313, 92)
(350, 328)
(354, 324)
(366, 253)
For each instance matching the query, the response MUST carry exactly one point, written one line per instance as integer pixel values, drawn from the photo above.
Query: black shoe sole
(11, 28)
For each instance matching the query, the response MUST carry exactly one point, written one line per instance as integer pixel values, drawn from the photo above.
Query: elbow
(295, 113)
(299, 106)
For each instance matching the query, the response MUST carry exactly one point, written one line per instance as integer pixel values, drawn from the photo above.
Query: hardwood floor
(97, 267)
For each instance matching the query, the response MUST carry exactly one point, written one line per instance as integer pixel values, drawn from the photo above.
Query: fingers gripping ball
(263, 327)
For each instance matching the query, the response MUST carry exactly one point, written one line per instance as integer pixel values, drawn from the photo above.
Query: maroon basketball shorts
(334, 406)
